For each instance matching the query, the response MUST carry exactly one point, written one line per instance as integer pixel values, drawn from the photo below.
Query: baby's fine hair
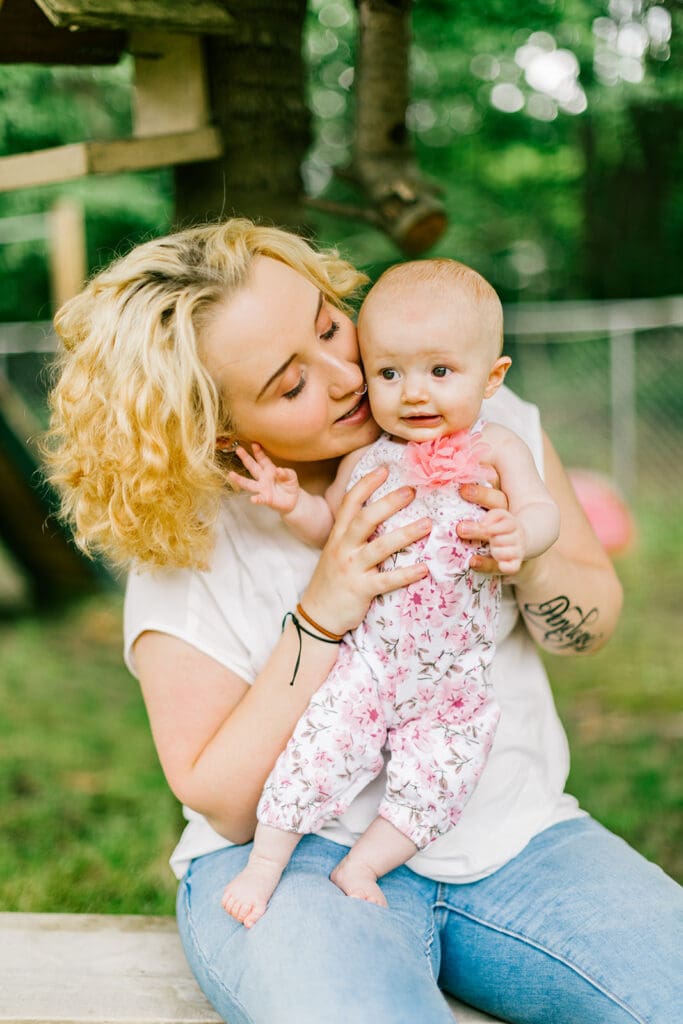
(448, 280)
(135, 413)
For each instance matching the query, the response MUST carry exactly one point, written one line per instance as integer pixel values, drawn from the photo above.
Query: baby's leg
(379, 850)
(246, 897)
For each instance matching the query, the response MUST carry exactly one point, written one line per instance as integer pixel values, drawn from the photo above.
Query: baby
(414, 675)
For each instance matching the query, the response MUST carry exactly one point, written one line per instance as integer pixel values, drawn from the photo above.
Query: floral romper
(412, 677)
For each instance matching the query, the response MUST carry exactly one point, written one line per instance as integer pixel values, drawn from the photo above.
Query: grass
(623, 708)
(88, 822)
(86, 818)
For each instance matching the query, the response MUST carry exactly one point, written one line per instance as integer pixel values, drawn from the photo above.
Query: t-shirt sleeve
(513, 412)
(180, 603)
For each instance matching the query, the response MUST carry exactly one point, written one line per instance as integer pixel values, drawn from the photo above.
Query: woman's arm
(570, 596)
(217, 737)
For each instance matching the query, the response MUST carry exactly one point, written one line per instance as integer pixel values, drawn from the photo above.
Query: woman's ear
(226, 443)
(497, 375)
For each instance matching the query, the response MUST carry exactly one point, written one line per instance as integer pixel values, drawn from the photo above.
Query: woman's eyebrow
(281, 369)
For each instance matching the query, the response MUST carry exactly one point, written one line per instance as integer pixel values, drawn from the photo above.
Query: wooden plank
(200, 17)
(26, 35)
(96, 968)
(157, 151)
(24, 170)
(108, 969)
(66, 251)
(63, 163)
(21, 336)
(171, 93)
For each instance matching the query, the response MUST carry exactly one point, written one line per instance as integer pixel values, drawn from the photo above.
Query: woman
(528, 909)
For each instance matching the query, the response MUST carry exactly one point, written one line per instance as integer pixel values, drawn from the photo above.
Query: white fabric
(233, 613)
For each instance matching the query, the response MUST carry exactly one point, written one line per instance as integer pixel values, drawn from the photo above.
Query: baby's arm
(308, 516)
(532, 523)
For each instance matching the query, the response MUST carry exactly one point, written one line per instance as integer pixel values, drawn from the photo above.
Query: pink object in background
(607, 512)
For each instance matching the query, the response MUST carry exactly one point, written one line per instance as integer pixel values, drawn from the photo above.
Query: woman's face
(287, 363)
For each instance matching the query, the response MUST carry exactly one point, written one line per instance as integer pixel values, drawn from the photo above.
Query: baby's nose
(414, 391)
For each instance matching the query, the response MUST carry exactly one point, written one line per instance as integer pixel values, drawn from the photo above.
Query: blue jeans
(577, 929)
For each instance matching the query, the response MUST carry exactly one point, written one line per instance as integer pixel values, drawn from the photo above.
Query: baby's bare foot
(358, 880)
(246, 897)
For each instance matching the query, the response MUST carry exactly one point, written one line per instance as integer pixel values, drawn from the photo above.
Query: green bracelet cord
(299, 630)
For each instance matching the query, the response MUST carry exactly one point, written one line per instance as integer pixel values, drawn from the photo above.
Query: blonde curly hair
(135, 413)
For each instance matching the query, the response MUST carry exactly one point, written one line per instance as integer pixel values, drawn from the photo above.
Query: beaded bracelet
(332, 638)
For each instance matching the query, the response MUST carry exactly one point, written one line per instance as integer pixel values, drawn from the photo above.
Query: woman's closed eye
(329, 334)
(297, 389)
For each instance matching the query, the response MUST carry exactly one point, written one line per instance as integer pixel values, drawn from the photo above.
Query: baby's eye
(440, 371)
(330, 332)
(388, 374)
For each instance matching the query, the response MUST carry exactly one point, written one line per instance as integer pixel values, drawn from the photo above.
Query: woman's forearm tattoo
(563, 625)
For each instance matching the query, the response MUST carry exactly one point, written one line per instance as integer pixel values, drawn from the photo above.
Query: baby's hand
(269, 484)
(506, 539)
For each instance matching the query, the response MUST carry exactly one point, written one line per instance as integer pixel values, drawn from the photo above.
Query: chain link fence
(608, 379)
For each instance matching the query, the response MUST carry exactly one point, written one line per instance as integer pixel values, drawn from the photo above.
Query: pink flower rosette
(455, 458)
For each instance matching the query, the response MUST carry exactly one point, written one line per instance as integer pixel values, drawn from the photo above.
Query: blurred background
(551, 132)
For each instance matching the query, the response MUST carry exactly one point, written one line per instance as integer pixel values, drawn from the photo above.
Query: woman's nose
(345, 378)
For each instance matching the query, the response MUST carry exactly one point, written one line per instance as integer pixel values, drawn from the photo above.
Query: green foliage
(50, 106)
(546, 198)
(42, 107)
(510, 147)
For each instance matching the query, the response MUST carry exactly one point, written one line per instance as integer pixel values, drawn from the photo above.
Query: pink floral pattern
(413, 677)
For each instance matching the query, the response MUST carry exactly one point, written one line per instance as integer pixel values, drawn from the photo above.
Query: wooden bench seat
(106, 969)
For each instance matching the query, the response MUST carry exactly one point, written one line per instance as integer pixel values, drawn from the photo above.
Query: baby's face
(426, 365)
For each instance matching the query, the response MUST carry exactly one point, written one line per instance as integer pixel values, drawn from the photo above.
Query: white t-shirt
(233, 612)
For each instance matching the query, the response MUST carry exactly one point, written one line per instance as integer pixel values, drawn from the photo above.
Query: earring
(226, 444)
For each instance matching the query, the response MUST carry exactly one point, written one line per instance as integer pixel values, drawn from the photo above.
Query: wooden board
(200, 16)
(63, 163)
(96, 968)
(108, 969)
(170, 83)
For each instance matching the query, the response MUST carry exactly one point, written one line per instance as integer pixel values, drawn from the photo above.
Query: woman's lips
(358, 414)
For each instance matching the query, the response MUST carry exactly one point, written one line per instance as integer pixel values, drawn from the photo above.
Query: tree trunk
(256, 83)
(384, 162)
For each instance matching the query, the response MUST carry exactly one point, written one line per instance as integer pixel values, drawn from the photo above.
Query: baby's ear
(497, 375)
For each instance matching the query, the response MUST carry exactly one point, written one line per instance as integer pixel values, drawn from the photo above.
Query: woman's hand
(348, 575)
